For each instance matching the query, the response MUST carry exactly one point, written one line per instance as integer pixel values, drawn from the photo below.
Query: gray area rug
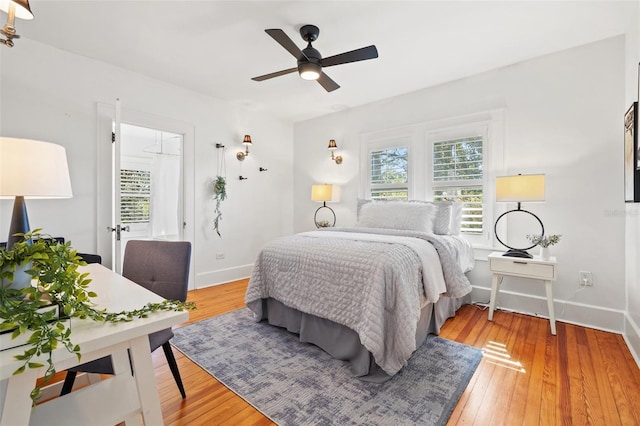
(296, 383)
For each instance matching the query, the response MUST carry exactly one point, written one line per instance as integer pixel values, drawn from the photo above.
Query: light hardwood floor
(527, 376)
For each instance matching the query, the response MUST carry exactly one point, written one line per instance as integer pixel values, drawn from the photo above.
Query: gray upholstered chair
(159, 266)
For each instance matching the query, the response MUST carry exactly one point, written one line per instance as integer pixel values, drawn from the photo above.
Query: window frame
(454, 133)
(388, 187)
(388, 140)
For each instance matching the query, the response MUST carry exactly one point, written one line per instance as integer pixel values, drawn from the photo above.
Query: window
(389, 174)
(135, 192)
(454, 158)
(457, 175)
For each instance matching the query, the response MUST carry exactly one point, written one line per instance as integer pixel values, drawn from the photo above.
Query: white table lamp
(31, 169)
(324, 192)
(519, 188)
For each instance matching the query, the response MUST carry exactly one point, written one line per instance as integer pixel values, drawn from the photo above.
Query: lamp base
(518, 253)
(324, 223)
(19, 221)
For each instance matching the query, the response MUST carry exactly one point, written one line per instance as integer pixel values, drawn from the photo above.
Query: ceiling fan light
(309, 71)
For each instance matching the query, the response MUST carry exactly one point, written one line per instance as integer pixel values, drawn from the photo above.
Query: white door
(142, 184)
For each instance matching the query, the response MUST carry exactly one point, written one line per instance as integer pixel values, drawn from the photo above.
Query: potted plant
(56, 281)
(544, 242)
(220, 194)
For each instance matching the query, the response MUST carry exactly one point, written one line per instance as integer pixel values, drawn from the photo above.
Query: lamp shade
(33, 169)
(247, 140)
(332, 144)
(520, 188)
(322, 192)
(22, 8)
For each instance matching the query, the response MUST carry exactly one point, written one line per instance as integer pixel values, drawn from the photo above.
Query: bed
(369, 294)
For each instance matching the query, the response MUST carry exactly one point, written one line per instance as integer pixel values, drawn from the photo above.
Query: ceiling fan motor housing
(310, 64)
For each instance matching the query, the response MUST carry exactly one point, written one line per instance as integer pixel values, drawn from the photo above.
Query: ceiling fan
(310, 61)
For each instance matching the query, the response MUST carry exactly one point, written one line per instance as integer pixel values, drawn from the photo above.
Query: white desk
(121, 398)
(536, 268)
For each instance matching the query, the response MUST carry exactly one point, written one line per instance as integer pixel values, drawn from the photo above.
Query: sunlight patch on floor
(497, 354)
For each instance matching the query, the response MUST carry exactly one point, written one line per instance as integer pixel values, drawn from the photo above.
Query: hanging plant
(220, 191)
(54, 267)
(220, 187)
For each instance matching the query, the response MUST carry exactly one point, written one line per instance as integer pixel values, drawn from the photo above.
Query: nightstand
(536, 268)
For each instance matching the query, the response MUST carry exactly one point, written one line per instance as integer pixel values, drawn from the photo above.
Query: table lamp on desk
(31, 169)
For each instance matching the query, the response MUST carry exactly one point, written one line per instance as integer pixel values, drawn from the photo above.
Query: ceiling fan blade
(326, 82)
(369, 52)
(274, 74)
(283, 39)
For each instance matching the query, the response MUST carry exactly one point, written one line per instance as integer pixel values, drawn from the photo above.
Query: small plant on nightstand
(544, 241)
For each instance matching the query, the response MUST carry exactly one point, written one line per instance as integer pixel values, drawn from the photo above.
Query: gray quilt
(370, 280)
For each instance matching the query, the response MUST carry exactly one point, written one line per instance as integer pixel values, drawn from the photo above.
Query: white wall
(51, 95)
(563, 115)
(632, 210)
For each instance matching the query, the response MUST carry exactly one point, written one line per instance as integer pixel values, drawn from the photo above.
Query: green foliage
(220, 191)
(458, 159)
(389, 166)
(541, 241)
(55, 268)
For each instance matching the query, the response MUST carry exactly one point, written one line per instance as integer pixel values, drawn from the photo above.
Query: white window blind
(389, 174)
(135, 195)
(458, 176)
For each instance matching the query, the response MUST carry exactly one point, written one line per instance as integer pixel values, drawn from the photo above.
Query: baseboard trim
(597, 317)
(222, 276)
(632, 337)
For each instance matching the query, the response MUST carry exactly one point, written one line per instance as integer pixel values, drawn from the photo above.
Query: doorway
(145, 182)
(151, 192)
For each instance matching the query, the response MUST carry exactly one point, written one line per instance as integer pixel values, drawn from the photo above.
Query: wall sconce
(246, 141)
(333, 147)
(14, 9)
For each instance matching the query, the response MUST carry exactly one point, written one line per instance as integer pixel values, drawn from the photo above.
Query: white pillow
(397, 215)
(456, 218)
(361, 202)
(442, 219)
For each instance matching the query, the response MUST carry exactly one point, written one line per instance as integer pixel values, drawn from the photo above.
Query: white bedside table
(536, 268)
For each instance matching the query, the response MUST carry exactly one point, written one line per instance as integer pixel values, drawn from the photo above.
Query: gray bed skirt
(343, 343)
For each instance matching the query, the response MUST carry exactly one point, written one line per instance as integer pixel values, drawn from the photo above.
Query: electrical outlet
(219, 256)
(586, 278)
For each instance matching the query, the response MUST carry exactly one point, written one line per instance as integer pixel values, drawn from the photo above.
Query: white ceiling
(215, 47)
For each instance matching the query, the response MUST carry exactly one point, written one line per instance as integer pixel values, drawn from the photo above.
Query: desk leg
(16, 407)
(496, 281)
(552, 315)
(146, 381)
